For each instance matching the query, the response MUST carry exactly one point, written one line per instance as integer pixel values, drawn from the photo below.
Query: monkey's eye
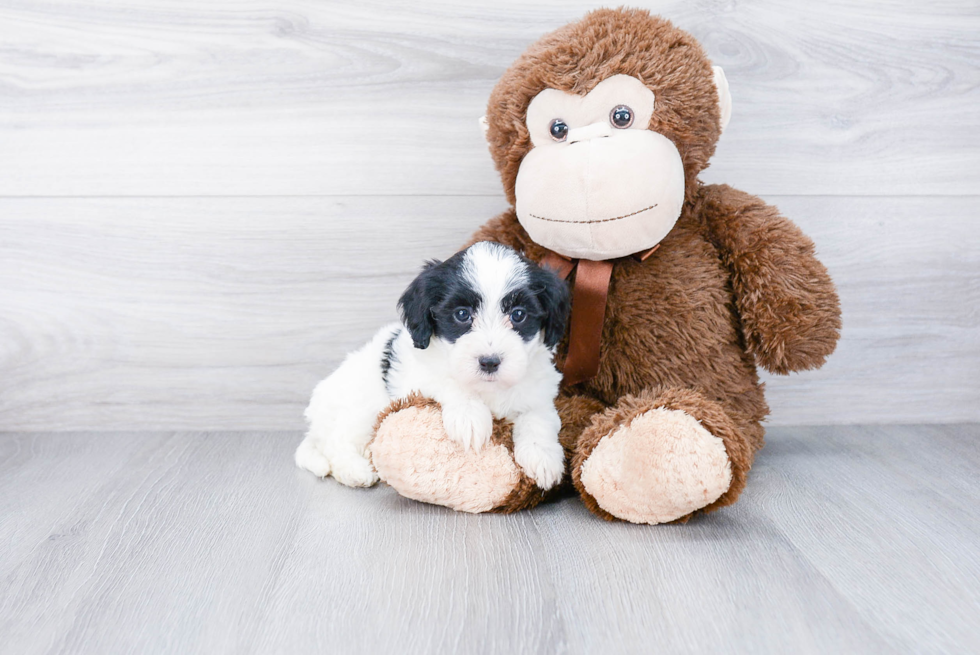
(517, 316)
(558, 129)
(621, 116)
(462, 315)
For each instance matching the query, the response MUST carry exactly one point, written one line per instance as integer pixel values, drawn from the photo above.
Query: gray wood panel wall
(203, 206)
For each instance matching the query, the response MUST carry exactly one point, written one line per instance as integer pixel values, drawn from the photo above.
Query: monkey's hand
(788, 304)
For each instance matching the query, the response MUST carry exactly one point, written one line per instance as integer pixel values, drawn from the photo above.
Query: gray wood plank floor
(848, 539)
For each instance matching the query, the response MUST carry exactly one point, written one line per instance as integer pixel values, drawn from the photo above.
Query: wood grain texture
(908, 274)
(869, 551)
(847, 539)
(346, 98)
(223, 313)
(250, 184)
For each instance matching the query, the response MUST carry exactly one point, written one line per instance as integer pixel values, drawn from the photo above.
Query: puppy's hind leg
(309, 457)
(345, 448)
(341, 416)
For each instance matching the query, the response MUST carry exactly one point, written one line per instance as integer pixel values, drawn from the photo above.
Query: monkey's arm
(788, 304)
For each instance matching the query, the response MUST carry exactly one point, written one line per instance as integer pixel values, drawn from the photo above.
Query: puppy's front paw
(353, 470)
(544, 461)
(468, 424)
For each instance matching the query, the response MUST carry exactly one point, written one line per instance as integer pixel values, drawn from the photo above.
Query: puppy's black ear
(416, 303)
(552, 293)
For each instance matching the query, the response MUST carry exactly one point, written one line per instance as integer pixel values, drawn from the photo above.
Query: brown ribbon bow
(589, 294)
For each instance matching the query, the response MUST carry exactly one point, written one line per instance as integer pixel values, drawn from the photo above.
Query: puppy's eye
(518, 316)
(558, 129)
(462, 315)
(621, 116)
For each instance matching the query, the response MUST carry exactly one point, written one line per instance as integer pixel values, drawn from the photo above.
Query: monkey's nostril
(489, 363)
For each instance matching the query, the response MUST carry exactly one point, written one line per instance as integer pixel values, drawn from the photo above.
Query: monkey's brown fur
(734, 284)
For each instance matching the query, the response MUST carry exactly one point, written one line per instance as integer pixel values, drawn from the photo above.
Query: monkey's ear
(724, 96)
(416, 304)
(484, 125)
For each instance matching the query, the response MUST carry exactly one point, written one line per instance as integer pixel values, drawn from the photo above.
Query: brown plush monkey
(599, 131)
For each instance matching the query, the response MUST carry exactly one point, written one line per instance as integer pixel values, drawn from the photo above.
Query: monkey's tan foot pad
(659, 467)
(413, 454)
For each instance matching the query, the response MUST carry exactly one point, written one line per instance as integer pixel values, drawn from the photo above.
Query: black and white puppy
(478, 335)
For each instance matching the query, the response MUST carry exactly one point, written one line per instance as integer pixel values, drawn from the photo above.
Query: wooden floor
(848, 539)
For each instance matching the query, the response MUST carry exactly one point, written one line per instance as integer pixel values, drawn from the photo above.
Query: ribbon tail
(588, 315)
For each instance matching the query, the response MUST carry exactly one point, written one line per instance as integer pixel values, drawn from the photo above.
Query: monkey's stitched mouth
(601, 220)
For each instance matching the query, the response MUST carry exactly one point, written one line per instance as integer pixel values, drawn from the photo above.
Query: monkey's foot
(649, 460)
(413, 454)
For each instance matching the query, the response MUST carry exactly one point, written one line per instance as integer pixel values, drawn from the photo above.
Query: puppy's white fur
(344, 407)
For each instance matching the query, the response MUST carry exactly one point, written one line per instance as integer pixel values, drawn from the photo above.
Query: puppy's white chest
(509, 403)
(497, 406)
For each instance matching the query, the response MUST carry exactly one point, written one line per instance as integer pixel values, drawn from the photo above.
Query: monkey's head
(600, 129)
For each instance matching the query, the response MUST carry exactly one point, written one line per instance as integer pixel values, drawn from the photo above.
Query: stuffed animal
(679, 289)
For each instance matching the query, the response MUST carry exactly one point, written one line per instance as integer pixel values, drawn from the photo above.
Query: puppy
(478, 335)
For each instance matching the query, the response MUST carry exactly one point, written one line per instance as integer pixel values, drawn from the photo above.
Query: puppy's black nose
(489, 364)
